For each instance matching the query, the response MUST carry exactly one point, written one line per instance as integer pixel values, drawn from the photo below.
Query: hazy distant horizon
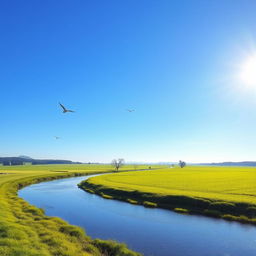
(127, 161)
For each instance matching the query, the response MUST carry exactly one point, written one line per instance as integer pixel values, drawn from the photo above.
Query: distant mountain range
(20, 160)
(244, 163)
(26, 157)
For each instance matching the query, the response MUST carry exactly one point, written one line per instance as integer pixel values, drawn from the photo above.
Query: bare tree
(117, 163)
(182, 164)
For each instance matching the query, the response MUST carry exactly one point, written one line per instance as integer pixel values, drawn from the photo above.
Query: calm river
(153, 232)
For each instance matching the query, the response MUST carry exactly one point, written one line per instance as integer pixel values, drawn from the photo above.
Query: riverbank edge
(231, 211)
(75, 233)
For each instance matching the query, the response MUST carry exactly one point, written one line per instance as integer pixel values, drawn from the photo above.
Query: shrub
(251, 211)
(33, 210)
(229, 217)
(212, 213)
(106, 196)
(181, 210)
(92, 250)
(244, 219)
(72, 231)
(222, 206)
(132, 201)
(113, 248)
(149, 204)
(89, 190)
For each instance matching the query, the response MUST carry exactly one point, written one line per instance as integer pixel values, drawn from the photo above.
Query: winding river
(153, 232)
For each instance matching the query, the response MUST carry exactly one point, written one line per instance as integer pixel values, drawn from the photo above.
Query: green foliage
(149, 204)
(222, 206)
(212, 213)
(111, 248)
(251, 211)
(89, 190)
(181, 210)
(212, 191)
(106, 196)
(26, 231)
(72, 231)
(132, 201)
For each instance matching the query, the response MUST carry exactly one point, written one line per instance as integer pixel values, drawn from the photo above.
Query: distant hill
(244, 163)
(24, 160)
(25, 157)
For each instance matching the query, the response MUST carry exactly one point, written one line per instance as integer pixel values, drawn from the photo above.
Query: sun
(247, 71)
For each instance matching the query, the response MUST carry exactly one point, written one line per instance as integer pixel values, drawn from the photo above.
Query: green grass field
(217, 191)
(26, 231)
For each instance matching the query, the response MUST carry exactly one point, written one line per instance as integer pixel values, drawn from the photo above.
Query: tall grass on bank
(221, 192)
(26, 231)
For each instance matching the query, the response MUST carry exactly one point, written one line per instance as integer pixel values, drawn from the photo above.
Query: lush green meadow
(227, 192)
(26, 231)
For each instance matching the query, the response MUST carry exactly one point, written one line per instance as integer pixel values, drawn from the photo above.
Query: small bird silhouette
(130, 110)
(66, 110)
(56, 137)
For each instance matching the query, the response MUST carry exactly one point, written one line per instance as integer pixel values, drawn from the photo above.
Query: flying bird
(66, 110)
(130, 110)
(56, 137)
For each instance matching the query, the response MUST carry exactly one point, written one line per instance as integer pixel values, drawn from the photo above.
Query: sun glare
(247, 74)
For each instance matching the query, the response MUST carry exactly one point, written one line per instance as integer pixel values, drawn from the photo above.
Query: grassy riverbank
(26, 231)
(222, 192)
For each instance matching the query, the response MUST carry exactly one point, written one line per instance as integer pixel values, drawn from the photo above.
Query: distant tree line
(21, 161)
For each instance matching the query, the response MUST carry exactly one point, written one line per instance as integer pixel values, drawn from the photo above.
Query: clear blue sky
(171, 61)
